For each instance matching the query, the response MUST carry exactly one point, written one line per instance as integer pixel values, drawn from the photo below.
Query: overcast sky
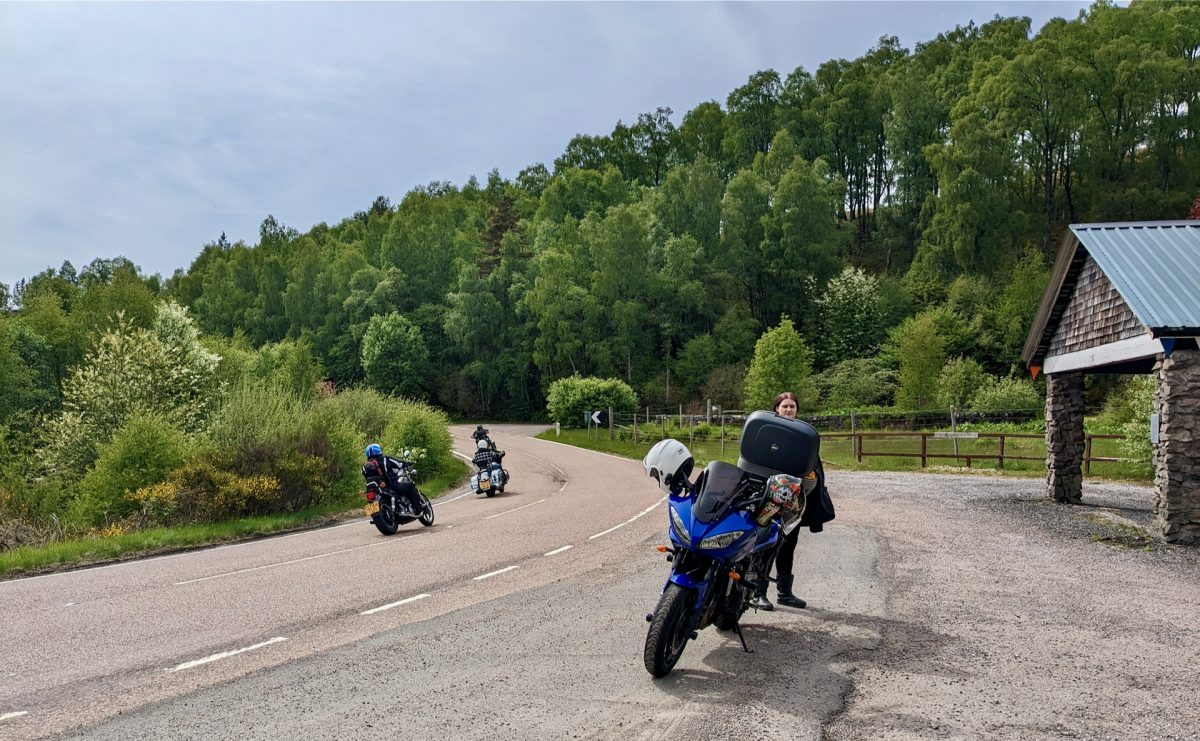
(147, 130)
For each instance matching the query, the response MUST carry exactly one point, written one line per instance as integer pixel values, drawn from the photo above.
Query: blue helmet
(373, 450)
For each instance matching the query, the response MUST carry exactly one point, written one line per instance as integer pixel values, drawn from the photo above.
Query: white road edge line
(460, 496)
(227, 654)
(576, 447)
(490, 574)
(514, 509)
(390, 605)
(285, 563)
(17, 714)
(559, 550)
(643, 513)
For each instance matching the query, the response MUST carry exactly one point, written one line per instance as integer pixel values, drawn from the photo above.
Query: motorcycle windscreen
(719, 484)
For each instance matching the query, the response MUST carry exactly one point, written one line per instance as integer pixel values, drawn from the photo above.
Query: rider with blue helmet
(388, 470)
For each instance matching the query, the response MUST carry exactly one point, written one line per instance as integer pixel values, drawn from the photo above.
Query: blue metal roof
(1154, 265)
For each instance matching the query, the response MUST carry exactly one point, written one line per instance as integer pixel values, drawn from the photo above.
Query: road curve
(85, 645)
(939, 607)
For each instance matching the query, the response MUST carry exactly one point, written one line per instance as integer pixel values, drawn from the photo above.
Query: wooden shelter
(1125, 298)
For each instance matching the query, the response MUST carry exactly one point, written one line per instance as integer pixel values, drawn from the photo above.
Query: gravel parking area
(1009, 616)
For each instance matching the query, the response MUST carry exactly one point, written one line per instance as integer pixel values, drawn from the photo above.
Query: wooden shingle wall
(1095, 315)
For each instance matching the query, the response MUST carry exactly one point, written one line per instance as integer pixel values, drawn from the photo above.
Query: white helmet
(483, 444)
(670, 464)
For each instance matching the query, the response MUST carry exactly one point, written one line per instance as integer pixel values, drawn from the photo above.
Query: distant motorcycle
(492, 477)
(389, 509)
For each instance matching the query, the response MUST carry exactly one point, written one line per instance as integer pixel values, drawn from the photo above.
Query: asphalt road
(940, 607)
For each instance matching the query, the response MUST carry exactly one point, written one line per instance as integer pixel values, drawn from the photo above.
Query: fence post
(708, 411)
(635, 435)
(954, 429)
(858, 448)
(1001, 459)
(853, 437)
(663, 419)
(610, 424)
(722, 432)
(1087, 456)
(923, 438)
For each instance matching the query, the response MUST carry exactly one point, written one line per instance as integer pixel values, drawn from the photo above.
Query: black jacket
(818, 507)
(386, 469)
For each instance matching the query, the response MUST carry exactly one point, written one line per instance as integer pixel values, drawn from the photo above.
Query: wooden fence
(858, 445)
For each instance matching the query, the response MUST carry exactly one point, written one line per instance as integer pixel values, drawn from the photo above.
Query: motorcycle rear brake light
(370, 496)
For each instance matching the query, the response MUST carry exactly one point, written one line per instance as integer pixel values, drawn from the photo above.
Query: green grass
(838, 453)
(139, 544)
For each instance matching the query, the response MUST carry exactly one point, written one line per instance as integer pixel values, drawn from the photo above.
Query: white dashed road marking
(559, 550)
(643, 513)
(17, 714)
(390, 605)
(227, 654)
(514, 509)
(494, 573)
(285, 563)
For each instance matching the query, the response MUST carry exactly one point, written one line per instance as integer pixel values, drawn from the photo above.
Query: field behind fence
(1005, 441)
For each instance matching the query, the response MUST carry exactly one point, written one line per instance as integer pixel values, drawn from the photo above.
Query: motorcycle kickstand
(737, 627)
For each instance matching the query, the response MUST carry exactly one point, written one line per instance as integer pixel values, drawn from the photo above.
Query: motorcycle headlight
(678, 526)
(724, 540)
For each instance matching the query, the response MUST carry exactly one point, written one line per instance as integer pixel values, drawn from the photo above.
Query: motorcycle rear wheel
(669, 632)
(386, 520)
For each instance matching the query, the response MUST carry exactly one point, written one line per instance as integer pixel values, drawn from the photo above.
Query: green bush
(345, 446)
(202, 492)
(782, 362)
(569, 398)
(289, 364)
(1138, 405)
(264, 430)
(854, 383)
(141, 452)
(1005, 394)
(424, 431)
(367, 411)
(959, 379)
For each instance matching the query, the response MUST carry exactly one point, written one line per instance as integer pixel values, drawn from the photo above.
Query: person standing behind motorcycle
(389, 469)
(818, 510)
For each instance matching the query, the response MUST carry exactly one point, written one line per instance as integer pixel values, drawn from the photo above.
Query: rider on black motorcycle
(388, 470)
(481, 433)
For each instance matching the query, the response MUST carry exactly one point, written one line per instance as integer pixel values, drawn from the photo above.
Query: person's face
(786, 408)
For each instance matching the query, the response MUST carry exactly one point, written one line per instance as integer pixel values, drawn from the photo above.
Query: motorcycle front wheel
(385, 519)
(426, 517)
(669, 632)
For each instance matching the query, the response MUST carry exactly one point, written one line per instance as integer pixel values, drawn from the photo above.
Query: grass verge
(93, 551)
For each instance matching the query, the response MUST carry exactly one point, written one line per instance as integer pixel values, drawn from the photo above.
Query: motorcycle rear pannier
(773, 444)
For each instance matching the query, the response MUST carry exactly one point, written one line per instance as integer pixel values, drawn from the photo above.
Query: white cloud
(148, 129)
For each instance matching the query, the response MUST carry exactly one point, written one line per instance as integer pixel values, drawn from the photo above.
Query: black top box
(773, 444)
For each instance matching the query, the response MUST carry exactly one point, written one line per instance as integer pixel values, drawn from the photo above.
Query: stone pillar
(1177, 455)
(1064, 437)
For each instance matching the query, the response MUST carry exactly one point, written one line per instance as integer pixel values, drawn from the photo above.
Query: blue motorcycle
(724, 529)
